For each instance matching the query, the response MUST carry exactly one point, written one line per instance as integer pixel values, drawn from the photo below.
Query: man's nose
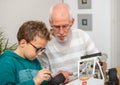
(61, 30)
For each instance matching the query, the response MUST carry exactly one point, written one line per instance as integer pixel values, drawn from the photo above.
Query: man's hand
(66, 74)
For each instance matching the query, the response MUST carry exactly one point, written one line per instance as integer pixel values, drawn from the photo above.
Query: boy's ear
(22, 42)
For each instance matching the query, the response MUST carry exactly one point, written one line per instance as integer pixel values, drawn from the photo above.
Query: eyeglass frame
(38, 50)
(64, 27)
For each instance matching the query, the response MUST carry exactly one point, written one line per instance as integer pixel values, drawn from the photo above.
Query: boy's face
(35, 48)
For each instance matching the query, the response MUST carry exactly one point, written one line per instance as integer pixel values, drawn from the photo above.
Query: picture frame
(84, 1)
(85, 22)
(84, 4)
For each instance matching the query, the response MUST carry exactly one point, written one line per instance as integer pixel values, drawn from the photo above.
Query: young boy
(20, 67)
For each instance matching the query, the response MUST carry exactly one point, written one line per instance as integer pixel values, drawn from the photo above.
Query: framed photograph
(85, 22)
(84, 4)
(62, 1)
(84, 1)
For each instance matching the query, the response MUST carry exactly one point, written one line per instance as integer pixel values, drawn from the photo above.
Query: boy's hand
(42, 75)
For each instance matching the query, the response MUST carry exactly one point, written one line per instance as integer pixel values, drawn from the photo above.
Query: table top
(91, 81)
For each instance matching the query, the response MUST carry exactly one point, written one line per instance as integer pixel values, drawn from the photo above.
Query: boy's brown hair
(30, 29)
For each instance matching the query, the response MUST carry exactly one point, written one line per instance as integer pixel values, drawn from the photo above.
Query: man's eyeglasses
(38, 50)
(58, 27)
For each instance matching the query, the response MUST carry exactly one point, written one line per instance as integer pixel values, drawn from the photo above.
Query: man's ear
(51, 31)
(72, 21)
(50, 22)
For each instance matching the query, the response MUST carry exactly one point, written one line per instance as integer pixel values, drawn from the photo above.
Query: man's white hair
(64, 4)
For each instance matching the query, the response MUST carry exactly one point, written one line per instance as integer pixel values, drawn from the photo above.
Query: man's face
(61, 28)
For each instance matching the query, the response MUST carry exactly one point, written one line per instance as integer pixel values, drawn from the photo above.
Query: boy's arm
(7, 75)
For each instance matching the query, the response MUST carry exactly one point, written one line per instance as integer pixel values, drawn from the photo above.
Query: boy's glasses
(38, 50)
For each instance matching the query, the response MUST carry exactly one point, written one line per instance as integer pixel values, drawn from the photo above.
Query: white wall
(118, 32)
(101, 12)
(14, 12)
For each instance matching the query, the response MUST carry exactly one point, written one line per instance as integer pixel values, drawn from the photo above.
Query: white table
(91, 81)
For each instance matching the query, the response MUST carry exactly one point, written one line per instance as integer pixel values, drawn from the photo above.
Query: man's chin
(61, 39)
